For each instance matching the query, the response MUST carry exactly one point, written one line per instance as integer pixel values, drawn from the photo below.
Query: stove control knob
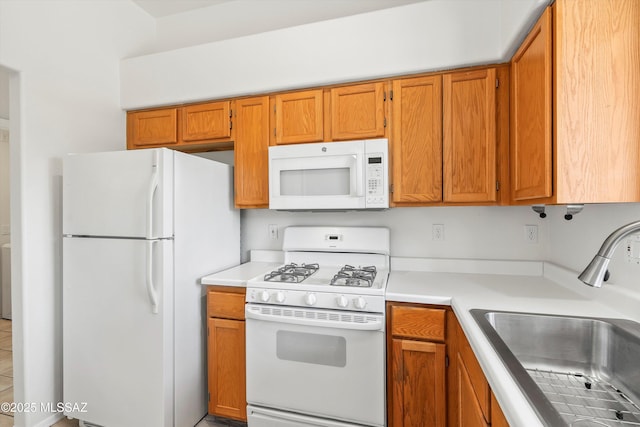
(310, 299)
(264, 296)
(280, 296)
(359, 303)
(342, 301)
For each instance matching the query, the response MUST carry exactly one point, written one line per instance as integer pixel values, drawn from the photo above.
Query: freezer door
(118, 353)
(118, 194)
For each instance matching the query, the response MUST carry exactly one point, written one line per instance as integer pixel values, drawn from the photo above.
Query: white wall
(67, 54)
(4, 93)
(574, 243)
(244, 17)
(5, 219)
(490, 232)
(429, 35)
(516, 19)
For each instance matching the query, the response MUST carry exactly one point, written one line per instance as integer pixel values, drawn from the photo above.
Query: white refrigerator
(139, 230)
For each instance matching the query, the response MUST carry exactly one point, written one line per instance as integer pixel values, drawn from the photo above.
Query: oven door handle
(376, 324)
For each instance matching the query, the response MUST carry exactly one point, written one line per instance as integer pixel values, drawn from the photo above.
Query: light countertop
(524, 286)
(239, 275)
(556, 291)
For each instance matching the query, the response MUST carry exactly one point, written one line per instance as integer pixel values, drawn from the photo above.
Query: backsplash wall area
(469, 232)
(574, 243)
(492, 232)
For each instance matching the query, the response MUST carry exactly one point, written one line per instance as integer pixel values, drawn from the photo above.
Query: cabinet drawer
(225, 305)
(418, 322)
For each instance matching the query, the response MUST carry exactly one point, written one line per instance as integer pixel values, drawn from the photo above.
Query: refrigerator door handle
(151, 289)
(153, 186)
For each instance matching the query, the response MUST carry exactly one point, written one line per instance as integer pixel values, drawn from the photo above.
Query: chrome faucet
(597, 268)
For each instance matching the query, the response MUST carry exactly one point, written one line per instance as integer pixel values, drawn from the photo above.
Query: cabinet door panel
(227, 375)
(417, 140)
(151, 128)
(470, 136)
(299, 117)
(204, 122)
(469, 411)
(531, 132)
(357, 111)
(497, 416)
(419, 394)
(252, 152)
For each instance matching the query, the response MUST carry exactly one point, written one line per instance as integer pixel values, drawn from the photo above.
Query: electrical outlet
(531, 233)
(437, 232)
(633, 249)
(273, 231)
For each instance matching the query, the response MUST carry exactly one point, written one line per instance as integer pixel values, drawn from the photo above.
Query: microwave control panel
(376, 194)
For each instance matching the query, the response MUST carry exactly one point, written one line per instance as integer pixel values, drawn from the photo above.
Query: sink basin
(575, 371)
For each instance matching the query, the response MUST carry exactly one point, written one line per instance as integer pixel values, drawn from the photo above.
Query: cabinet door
(469, 410)
(531, 137)
(418, 381)
(152, 128)
(358, 111)
(205, 122)
(417, 140)
(252, 152)
(470, 136)
(497, 416)
(299, 117)
(226, 363)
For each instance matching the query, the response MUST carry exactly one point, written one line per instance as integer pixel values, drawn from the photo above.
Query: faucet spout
(593, 275)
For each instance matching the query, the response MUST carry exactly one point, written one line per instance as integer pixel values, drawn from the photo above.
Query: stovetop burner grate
(349, 275)
(291, 273)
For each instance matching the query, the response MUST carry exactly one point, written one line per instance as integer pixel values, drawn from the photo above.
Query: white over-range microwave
(329, 175)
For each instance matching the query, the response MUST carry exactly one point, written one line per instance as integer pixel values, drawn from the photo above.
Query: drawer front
(418, 322)
(225, 305)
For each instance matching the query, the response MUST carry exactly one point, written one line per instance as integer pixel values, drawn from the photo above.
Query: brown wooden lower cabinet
(226, 352)
(469, 410)
(497, 416)
(416, 390)
(433, 376)
(418, 384)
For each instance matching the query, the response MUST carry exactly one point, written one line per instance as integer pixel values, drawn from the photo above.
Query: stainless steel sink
(575, 371)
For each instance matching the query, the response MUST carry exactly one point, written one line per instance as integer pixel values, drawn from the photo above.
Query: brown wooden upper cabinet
(252, 152)
(575, 107)
(181, 127)
(358, 112)
(298, 117)
(152, 128)
(206, 122)
(469, 136)
(416, 143)
(531, 137)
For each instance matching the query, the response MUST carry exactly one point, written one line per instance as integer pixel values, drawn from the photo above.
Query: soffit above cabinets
(158, 9)
(299, 11)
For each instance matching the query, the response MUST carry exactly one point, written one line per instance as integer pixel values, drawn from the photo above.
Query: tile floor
(6, 370)
(6, 387)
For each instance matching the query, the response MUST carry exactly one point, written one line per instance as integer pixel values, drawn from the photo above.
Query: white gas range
(315, 331)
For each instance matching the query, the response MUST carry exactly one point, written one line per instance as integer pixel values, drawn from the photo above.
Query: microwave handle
(361, 174)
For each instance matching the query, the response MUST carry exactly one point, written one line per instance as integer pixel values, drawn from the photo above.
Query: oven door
(322, 363)
(317, 176)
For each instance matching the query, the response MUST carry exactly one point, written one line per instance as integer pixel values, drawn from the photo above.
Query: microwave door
(327, 182)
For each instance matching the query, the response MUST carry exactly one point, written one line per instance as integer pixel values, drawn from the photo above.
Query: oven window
(315, 182)
(317, 349)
